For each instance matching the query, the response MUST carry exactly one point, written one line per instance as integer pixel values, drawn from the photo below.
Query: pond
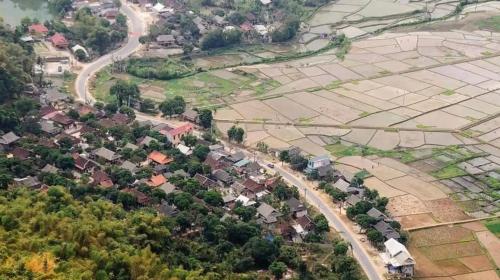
(12, 11)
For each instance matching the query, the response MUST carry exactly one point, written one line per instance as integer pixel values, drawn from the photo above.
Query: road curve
(359, 253)
(136, 28)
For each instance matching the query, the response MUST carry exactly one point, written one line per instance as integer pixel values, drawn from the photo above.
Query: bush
(287, 31)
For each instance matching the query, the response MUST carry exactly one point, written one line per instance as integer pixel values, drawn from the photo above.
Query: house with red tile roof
(59, 41)
(156, 181)
(175, 135)
(100, 178)
(38, 29)
(159, 158)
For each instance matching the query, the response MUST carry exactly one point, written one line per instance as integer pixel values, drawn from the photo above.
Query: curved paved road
(359, 253)
(137, 27)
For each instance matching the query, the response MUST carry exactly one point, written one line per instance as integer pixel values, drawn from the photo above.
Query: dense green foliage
(162, 69)
(286, 31)
(125, 92)
(16, 63)
(218, 38)
(174, 106)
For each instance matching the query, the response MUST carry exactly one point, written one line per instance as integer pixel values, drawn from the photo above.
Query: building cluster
(184, 26)
(245, 182)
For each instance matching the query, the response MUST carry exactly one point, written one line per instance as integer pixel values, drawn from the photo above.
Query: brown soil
(445, 210)
(474, 226)
(477, 263)
(453, 267)
(416, 220)
(485, 275)
(451, 251)
(440, 235)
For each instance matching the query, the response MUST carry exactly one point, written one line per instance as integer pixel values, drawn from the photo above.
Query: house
(156, 181)
(165, 40)
(55, 99)
(344, 186)
(386, 230)
(215, 161)
(352, 200)
(245, 201)
(167, 209)
(185, 150)
(305, 222)
(265, 2)
(216, 147)
(82, 163)
(131, 146)
(9, 138)
(223, 177)
(246, 27)
(297, 208)
(376, 214)
(29, 181)
(38, 29)
(49, 127)
(146, 141)
(106, 154)
(127, 165)
(100, 178)
(20, 153)
(141, 197)
(158, 8)
(205, 181)
(190, 115)
(267, 213)
(252, 188)
(48, 168)
(59, 41)
(167, 187)
(238, 156)
(120, 119)
(159, 158)
(175, 135)
(228, 199)
(62, 120)
(317, 162)
(220, 21)
(397, 259)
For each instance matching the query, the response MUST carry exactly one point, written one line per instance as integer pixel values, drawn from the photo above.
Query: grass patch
(421, 126)
(491, 24)
(448, 92)
(333, 85)
(303, 120)
(340, 150)
(449, 171)
(493, 226)
(363, 114)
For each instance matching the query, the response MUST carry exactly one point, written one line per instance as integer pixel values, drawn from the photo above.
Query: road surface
(137, 27)
(359, 253)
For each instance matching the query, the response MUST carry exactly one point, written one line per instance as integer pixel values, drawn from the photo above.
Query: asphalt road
(137, 27)
(359, 253)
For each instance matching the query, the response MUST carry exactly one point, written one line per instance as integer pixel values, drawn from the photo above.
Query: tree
(201, 152)
(189, 140)
(340, 248)
(245, 213)
(287, 31)
(236, 134)
(365, 221)
(321, 224)
(174, 106)
(205, 118)
(213, 198)
(99, 40)
(5, 180)
(187, 49)
(125, 92)
(262, 251)
(147, 106)
(374, 236)
(80, 55)
(284, 156)
(277, 268)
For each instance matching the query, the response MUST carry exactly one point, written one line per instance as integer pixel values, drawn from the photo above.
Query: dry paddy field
(454, 252)
(396, 90)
